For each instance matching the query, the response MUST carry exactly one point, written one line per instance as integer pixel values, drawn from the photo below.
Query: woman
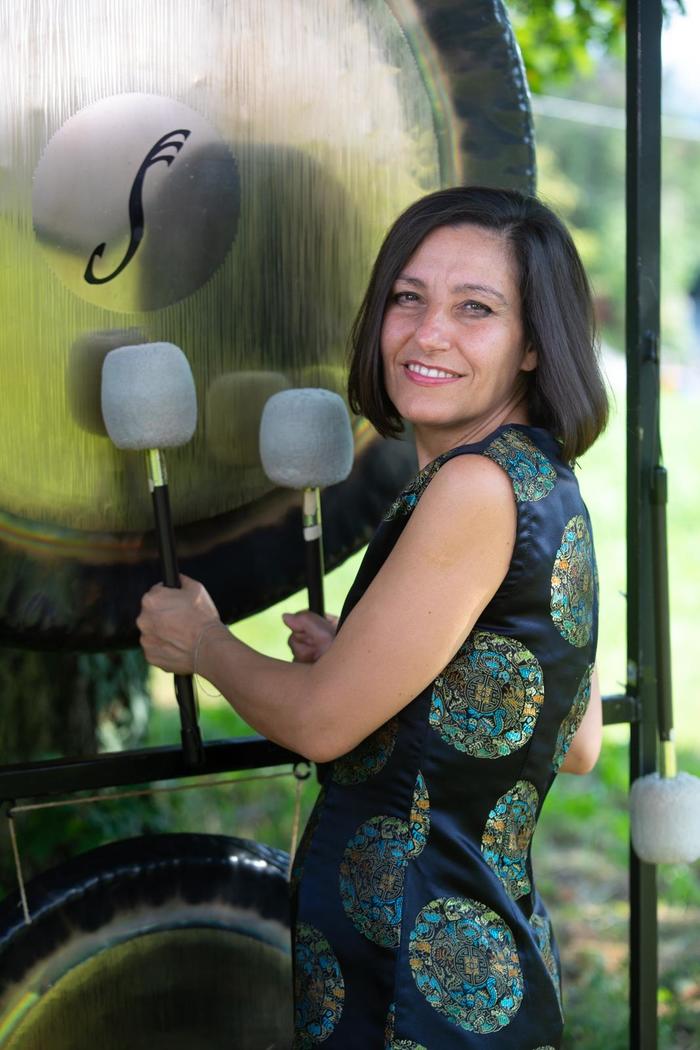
(460, 681)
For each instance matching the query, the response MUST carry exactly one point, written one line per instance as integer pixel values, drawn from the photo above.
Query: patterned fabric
(567, 730)
(390, 1040)
(573, 583)
(374, 865)
(406, 501)
(419, 926)
(487, 699)
(507, 836)
(532, 474)
(367, 758)
(465, 963)
(319, 988)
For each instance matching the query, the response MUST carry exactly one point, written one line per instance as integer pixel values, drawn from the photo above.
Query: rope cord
(18, 868)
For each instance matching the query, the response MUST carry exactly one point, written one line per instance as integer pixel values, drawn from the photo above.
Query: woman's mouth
(425, 375)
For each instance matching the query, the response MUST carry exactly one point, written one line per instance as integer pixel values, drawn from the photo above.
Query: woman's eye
(404, 298)
(473, 307)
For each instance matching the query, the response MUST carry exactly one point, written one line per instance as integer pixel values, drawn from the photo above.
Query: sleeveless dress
(417, 922)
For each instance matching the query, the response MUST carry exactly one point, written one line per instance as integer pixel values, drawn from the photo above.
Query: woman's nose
(432, 333)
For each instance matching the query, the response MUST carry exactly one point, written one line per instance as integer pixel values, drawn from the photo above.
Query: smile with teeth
(430, 373)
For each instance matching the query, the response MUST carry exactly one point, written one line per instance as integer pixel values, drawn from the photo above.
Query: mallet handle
(313, 544)
(190, 735)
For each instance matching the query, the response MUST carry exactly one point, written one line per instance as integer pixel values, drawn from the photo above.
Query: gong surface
(220, 179)
(157, 943)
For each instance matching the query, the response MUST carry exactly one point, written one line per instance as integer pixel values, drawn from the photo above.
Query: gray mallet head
(148, 397)
(306, 439)
(235, 403)
(665, 818)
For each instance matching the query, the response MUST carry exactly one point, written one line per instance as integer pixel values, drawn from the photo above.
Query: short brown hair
(566, 392)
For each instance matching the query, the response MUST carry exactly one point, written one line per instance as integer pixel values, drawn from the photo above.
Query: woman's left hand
(171, 623)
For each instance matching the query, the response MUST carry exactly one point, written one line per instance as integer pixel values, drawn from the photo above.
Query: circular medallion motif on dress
(542, 929)
(390, 1041)
(368, 758)
(573, 583)
(567, 730)
(374, 865)
(507, 835)
(319, 989)
(406, 500)
(531, 473)
(464, 961)
(487, 700)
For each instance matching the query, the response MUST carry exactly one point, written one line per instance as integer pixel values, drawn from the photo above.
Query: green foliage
(560, 41)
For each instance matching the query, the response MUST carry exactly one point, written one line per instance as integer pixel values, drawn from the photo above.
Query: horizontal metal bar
(64, 776)
(620, 708)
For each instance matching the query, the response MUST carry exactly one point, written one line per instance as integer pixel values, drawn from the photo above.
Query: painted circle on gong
(135, 202)
(465, 962)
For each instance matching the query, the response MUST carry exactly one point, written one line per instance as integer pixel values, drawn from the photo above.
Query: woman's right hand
(310, 634)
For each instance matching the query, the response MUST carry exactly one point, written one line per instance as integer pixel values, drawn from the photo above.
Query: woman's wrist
(202, 648)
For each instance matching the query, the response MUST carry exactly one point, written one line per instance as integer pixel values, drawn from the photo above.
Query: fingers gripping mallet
(665, 807)
(306, 443)
(149, 403)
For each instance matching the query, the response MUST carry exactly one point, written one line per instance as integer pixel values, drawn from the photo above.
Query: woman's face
(452, 342)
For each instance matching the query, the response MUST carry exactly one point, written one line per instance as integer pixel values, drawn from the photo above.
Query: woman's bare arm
(446, 566)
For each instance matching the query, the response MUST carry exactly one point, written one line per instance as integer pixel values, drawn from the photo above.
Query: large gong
(217, 174)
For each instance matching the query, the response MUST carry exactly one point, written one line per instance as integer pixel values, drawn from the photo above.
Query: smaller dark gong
(166, 942)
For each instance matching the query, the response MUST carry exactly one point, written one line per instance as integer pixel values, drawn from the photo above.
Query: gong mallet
(665, 806)
(149, 403)
(306, 443)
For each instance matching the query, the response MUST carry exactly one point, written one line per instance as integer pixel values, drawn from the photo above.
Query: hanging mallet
(306, 443)
(665, 806)
(149, 404)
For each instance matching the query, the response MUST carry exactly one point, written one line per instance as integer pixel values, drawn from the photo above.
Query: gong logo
(174, 139)
(135, 202)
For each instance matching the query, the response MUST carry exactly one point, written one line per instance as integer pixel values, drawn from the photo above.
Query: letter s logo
(173, 140)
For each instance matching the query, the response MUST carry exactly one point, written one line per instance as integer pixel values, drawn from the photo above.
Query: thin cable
(18, 868)
(91, 799)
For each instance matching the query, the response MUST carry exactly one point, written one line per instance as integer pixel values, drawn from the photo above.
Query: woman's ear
(529, 361)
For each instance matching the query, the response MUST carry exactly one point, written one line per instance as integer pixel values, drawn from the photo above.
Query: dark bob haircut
(565, 392)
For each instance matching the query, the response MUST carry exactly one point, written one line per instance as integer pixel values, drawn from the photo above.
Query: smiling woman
(460, 678)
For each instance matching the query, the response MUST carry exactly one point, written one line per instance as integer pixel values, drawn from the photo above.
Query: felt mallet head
(148, 397)
(665, 818)
(306, 439)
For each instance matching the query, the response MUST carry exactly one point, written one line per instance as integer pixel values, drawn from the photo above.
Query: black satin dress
(418, 924)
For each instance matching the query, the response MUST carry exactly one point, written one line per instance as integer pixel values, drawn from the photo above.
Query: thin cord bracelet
(195, 658)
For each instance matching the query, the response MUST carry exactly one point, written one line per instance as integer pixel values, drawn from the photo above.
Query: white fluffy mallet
(665, 806)
(306, 443)
(666, 818)
(149, 403)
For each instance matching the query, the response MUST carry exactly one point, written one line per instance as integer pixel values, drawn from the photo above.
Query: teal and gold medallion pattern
(319, 989)
(406, 500)
(567, 730)
(464, 961)
(390, 1041)
(531, 473)
(368, 758)
(573, 584)
(487, 700)
(542, 929)
(374, 865)
(507, 835)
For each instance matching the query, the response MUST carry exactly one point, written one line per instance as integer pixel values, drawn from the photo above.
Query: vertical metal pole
(643, 277)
